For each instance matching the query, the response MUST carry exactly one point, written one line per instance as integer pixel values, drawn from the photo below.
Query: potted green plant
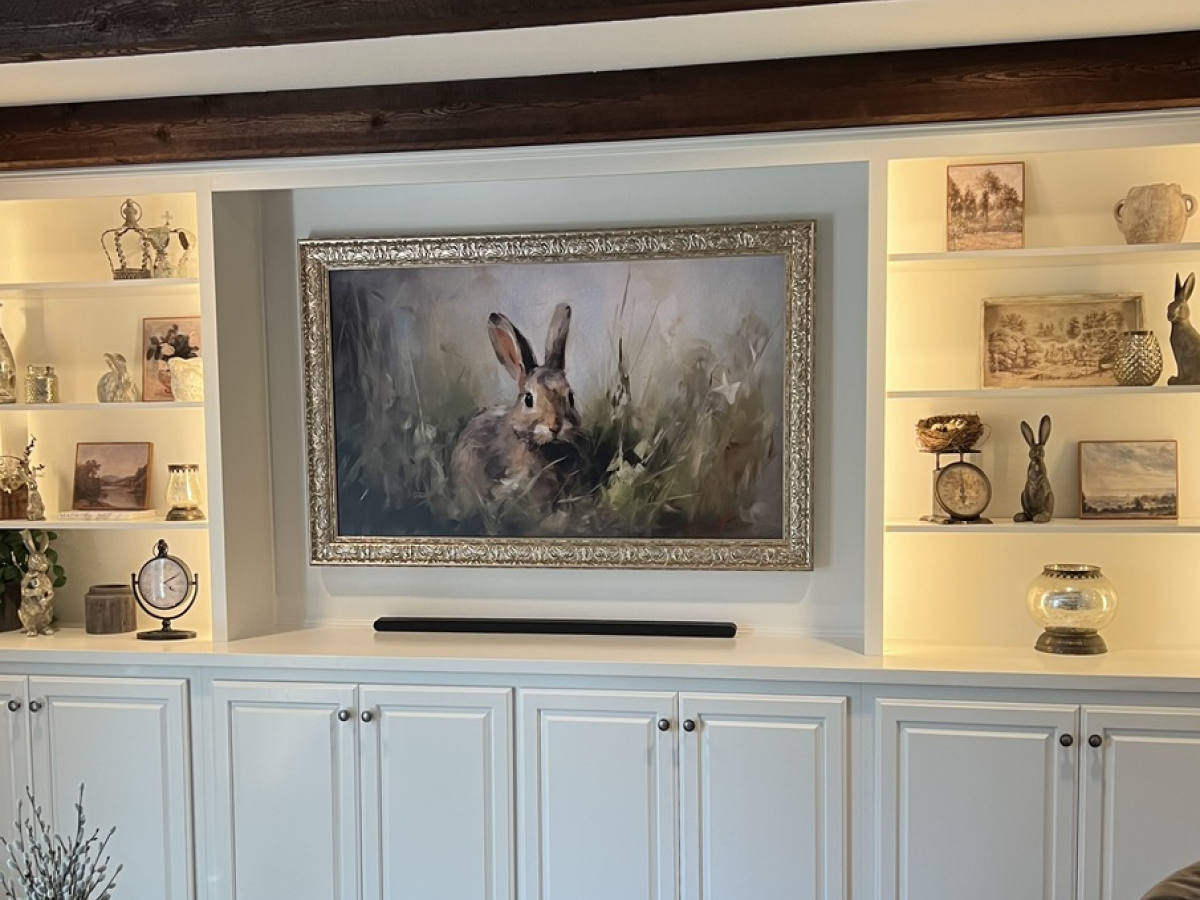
(13, 554)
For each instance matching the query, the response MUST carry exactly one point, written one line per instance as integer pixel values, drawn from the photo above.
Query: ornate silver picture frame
(636, 398)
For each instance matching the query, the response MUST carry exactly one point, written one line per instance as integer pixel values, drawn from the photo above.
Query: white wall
(828, 600)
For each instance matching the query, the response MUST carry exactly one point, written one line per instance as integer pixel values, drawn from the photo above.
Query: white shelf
(1042, 257)
(52, 523)
(1054, 526)
(98, 407)
(1161, 390)
(78, 289)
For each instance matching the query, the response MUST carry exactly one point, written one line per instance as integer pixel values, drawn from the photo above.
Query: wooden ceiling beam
(61, 29)
(1146, 72)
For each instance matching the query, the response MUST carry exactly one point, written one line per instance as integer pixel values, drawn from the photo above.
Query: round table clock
(961, 492)
(166, 589)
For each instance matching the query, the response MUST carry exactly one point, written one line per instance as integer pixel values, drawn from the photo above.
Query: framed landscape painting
(112, 476)
(634, 397)
(985, 206)
(1061, 340)
(1128, 480)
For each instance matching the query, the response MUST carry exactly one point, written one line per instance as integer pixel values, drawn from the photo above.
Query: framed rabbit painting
(624, 398)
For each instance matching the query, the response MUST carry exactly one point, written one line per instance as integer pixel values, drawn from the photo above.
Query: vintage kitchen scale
(961, 489)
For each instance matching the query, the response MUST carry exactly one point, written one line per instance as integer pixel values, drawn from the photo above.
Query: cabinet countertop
(768, 658)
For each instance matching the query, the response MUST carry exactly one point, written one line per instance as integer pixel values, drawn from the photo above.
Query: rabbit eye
(528, 400)
(571, 398)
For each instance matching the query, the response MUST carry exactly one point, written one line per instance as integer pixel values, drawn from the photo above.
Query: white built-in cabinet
(653, 795)
(126, 740)
(1054, 801)
(373, 791)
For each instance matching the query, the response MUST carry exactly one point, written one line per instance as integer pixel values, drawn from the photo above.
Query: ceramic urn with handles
(1154, 214)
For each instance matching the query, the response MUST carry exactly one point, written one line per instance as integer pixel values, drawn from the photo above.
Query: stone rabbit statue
(1037, 499)
(37, 587)
(1185, 340)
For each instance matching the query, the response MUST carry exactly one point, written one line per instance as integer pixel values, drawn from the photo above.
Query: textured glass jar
(183, 493)
(1139, 359)
(41, 384)
(1071, 603)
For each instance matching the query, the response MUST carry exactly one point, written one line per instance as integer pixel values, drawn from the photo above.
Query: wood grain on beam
(60, 29)
(950, 85)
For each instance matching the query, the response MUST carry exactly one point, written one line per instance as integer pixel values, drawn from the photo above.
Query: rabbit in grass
(530, 449)
(1185, 340)
(37, 588)
(1037, 499)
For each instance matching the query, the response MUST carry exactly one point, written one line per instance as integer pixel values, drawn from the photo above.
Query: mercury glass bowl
(1071, 603)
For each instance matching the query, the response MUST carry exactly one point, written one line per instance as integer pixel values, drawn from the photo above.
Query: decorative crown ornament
(129, 239)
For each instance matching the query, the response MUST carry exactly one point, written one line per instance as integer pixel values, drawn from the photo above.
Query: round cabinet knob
(34, 705)
(1066, 740)
(1095, 740)
(343, 715)
(14, 705)
(367, 715)
(689, 725)
(664, 724)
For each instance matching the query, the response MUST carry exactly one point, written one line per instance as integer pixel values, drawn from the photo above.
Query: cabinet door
(763, 797)
(436, 793)
(286, 794)
(1140, 807)
(126, 741)
(14, 750)
(596, 806)
(975, 800)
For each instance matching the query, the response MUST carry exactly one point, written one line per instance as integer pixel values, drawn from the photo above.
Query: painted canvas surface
(1128, 480)
(1055, 341)
(113, 476)
(165, 338)
(985, 206)
(607, 399)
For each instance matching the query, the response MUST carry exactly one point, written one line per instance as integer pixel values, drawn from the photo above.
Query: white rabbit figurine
(531, 448)
(37, 587)
(115, 385)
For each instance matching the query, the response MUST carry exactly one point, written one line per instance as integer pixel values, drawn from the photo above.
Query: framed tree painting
(637, 398)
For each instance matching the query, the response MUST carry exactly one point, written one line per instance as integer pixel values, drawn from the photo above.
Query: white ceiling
(765, 34)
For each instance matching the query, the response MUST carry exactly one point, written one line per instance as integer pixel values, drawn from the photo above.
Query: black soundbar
(647, 628)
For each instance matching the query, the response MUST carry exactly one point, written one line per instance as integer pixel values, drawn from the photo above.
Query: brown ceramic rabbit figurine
(1185, 340)
(1037, 499)
(531, 448)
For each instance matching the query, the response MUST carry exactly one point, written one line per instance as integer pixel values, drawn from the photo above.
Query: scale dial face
(164, 582)
(962, 490)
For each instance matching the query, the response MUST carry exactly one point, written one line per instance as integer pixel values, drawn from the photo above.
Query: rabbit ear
(1027, 432)
(27, 537)
(1044, 430)
(1187, 285)
(511, 348)
(43, 542)
(556, 337)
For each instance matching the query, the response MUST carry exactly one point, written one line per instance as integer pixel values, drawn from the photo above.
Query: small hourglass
(183, 493)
